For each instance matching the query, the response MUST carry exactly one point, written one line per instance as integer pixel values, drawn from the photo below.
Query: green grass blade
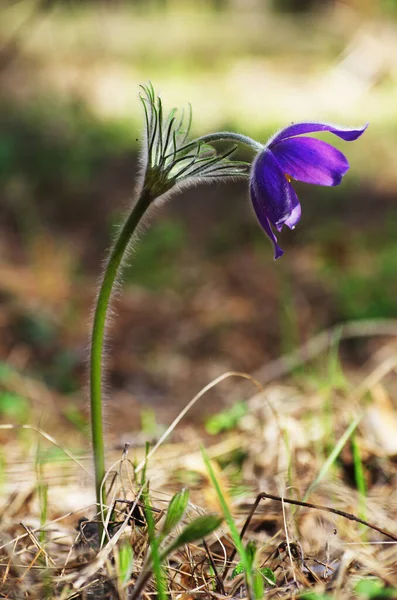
(245, 561)
(359, 476)
(258, 584)
(333, 456)
(126, 562)
(154, 551)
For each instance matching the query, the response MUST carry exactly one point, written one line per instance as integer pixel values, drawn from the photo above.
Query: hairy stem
(224, 136)
(229, 136)
(98, 335)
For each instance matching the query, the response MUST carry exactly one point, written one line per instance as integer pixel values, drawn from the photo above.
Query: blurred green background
(203, 294)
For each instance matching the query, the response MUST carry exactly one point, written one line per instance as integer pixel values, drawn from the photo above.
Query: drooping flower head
(170, 159)
(291, 155)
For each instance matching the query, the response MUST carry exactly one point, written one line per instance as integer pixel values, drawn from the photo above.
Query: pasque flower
(291, 155)
(169, 162)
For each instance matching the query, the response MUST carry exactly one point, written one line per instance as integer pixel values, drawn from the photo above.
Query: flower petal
(273, 190)
(348, 134)
(260, 210)
(310, 160)
(296, 213)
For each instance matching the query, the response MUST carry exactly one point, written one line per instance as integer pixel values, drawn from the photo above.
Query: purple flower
(286, 157)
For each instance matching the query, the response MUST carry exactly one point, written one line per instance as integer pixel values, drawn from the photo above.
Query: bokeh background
(203, 294)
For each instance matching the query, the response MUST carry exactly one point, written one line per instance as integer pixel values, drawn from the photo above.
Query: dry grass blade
(190, 405)
(50, 439)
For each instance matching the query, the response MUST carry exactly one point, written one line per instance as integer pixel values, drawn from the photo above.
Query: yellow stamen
(288, 177)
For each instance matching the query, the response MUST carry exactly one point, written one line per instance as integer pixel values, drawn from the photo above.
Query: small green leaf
(238, 569)
(227, 419)
(176, 510)
(268, 575)
(199, 528)
(369, 587)
(13, 406)
(373, 588)
(196, 530)
(126, 561)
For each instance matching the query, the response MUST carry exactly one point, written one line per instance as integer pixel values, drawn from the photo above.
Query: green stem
(223, 136)
(98, 335)
(229, 136)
